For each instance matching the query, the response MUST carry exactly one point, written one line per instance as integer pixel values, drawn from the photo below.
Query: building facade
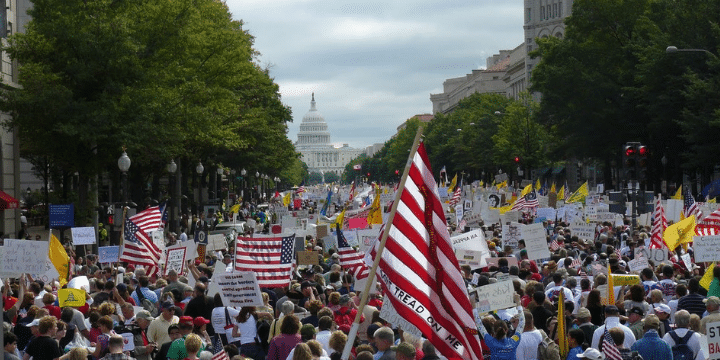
(315, 147)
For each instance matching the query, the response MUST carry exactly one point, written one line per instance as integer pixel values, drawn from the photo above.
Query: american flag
(352, 192)
(576, 263)
(301, 188)
(554, 246)
(519, 204)
(351, 259)
(707, 229)
(455, 199)
(218, 350)
(270, 257)
(419, 272)
(138, 247)
(659, 225)
(714, 217)
(531, 200)
(690, 207)
(608, 347)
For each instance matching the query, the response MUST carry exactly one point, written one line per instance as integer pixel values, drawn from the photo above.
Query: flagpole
(371, 277)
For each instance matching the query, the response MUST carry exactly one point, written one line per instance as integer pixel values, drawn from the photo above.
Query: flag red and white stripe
(519, 204)
(608, 347)
(350, 259)
(576, 263)
(455, 199)
(419, 272)
(659, 225)
(554, 246)
(138, 247)
(218, 350)
(270, 257)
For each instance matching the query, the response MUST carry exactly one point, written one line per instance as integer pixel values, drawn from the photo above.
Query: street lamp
(171, 169)
(199, 169)
(218, 184)
(124, 165)
(673, 49)
(257, 183)
(243, 172)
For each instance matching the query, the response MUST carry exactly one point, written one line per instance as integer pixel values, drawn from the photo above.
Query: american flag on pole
(519, 204)
(301, 188)
(531, 200)
(714, 217)
(350, 259)
(270, 257)
(608, 347)
(352, 192)
(554, 246)
(659, 225)
(138, 247)
(419, 272)
(218, 350)
(690, 207)
(455, 199)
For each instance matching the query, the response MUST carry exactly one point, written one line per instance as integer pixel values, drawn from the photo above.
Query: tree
(331, 177)
(314, 178)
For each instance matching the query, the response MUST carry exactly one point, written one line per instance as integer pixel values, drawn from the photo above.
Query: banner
(71, 297)
(239, 288)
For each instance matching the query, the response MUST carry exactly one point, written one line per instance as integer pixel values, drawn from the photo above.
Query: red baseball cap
(200, 321)
(186, 320)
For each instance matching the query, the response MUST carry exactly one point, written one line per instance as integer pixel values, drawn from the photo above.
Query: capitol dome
(313, 115)
(313, 129)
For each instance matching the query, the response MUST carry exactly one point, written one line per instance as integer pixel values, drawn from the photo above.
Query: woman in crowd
(501, 346)
(281, 345)
(246, 330)
(597, 310)
(105, 325)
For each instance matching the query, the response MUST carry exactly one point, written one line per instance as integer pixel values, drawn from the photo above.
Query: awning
(7, 201)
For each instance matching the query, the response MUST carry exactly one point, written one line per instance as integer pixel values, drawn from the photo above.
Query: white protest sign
(473, 258)
(535, 241)
(128, 341)
(79, 282)
(511, 234)
(50, 273)
(213, 287)
(83, 235)
(175, 260)
(290, 222)
(673, 208)
(216, 242)
(366, 237)
(656, 255)
(583, 230)
(707, 248)
(23, 256)
(490, 216)
(495, 296)
(547, 213)
(687, 261)
(510, 216)
(473, 218)
(713, 340)
(189, 246)
(108, 254)
(389, 314)
(473, 240)
(638, 264)
(239, 288)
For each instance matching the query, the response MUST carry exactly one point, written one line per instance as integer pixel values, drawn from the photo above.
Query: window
(529, 40)
(542, 13)
(528, 13)
(529, 48)
(554, 10)
(560, 9)
(547, 12)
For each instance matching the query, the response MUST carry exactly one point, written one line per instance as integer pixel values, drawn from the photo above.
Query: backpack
(548, 349)
(681, 350)
(263, 333)
(146, 304)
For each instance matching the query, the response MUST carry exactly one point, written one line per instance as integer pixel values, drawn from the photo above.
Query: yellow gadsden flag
(340, 218)
(287, 199)
(538, 186)
(59, 258)
(708, 277)
(580, 194)
(375, 214)
(680, 233)
(451, 188)
(526, 190)
(71, 297)
(678, 194)
(552, 188)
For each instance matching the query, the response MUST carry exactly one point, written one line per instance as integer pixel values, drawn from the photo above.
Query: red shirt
(8, 302)
(54, 310)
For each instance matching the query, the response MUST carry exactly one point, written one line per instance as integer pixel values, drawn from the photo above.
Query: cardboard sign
(511, 234)
(71, 297)
(474, 259)
(495, 296)
(656, 255)
(23, 256)
(83, 235)
(216, 242)
(713, 339)
(583, 230)
(175, 260)
(536, 242)
(552, 200)
(707, 248)
(321, 231)
(239, 288)
(108, 254)
(307, 258)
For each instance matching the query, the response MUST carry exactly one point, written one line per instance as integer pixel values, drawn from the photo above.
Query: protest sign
(83, 235)
(321, 231)
(79, 282)
(108, 254)
(535, 241)
(656, 255)
(495, 296)
(239, 288)
(620, 280)
(329, 242)
(290, 222)
(510, 216)
(473, 240)
(389, 314)
(23, 256)
(687, 261)
(216, 242)
(638, 263)
(473, 218)
(493, 261)
(583, 230)
(366, 238)
(490, 216)
(50, 273)
(472, 258)
(511, 234)
(707, 248)
(61, 215)
(552, 200)
(673, 208)
(307, 258)
(357, 223)
(128, 341)
(158, 238)
(71, 297)
(713, 338)
(547, 213)
(175, 260)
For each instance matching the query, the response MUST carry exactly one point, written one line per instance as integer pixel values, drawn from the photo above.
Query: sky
(373, 65)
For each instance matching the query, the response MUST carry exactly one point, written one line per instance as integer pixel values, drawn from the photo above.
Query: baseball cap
(592, 354)
(144, 314)
(200, 321)
(167, 305)
(185, 320)
(583, 313)
(713, 300)
(663, 309)
(637, 310)
(612, 309)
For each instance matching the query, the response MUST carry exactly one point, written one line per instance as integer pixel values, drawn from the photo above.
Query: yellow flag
(526, 190)
(451, 188)
(712, 201)
(59, 259)
(561, 333)
(375, 214)
(340, 218)
(580, 194)
(235, 208)
(538, 186)
(552, 188)
(561, 193)
(287, 198)
(679, 233)
(503, 209)
(678, 194)
(71, 297)
(708, 277)
(482, 184)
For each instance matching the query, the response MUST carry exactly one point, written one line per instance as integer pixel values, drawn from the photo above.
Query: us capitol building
(314, 145)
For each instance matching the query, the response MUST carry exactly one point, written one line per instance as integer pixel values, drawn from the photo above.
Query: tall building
(314, 145)
(509, 71)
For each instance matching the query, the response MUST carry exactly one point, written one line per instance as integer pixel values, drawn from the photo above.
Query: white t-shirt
(247, 330)
(528, 347)
(217, 318)
(323, 337)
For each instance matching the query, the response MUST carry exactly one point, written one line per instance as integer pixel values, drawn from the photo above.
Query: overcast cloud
(373, 65)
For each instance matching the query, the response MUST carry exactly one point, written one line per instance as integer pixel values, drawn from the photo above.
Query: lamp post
(218, 185)
(199, 169)
(172, 169)
(234, 188)
(673, 49)
(124, 165)
(243, 172)
(257, 183)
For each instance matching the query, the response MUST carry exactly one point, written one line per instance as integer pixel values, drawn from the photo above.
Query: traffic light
(517, 159)
(642, 154)
(630, 161)
(617, 202)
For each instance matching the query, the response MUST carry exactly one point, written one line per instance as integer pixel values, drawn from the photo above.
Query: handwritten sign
(128, 341)
(216, 242)
(495, 296)
(656, 255)
(474, 259)
(535, 241)
(23, 256)
(687, 261)
(366, 238)
(307, 257)
(83, 235)
(713, 339)
(583, 230)
(473, 240)
(108, 254)
(511, 234)
(638, 264)
(707, 248)
(239, 288)
(389, 314)
(175, 260)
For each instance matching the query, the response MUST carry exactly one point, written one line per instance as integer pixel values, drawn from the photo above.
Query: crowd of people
(664, 315)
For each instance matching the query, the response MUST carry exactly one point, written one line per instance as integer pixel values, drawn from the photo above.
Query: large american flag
(419, 272)
(270, 257)
(138, 247)
(659, 225)
(519, 204)
(608, 347)
(531, 200)
(218, 350)
(351, 259)
(690, 207)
